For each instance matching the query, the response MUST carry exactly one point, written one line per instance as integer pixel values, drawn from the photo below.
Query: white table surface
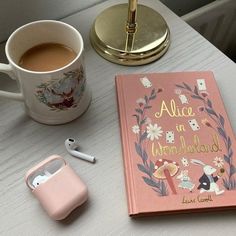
(23, 143)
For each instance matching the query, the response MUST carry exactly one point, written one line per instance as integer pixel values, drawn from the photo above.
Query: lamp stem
(131, 24)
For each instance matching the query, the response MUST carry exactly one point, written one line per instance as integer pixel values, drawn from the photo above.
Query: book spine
(129, 183)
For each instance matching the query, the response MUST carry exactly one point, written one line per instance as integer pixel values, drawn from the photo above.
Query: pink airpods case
(57, 187)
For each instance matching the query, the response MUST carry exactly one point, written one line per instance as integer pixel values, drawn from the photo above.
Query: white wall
(182, 7)
(14, 13)
(217, 23)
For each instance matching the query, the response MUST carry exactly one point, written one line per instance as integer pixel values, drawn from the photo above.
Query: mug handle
(7, 69)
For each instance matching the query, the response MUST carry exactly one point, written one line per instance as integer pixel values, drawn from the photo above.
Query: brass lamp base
(110, 39)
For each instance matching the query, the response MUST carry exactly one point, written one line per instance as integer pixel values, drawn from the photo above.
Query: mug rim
(37, 22)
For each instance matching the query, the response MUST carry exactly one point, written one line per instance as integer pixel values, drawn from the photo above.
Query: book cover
(178, 144)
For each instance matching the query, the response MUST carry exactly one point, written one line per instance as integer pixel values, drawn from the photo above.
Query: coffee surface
(47, 57)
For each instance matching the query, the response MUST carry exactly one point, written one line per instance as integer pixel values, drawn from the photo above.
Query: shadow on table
(188, 218)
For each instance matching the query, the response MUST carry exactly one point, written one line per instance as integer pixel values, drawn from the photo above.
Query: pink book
(178, 144)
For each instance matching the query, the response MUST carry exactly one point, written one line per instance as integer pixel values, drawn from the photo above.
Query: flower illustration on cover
(136, 129)
(178, 91)
(206, 122)
(64, 93)
(218, 162)
(141, 101)
(154, 131)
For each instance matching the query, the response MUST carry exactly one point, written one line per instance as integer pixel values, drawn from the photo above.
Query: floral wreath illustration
(229, 181)
(147, 166)
(153, 131)
(62, 94)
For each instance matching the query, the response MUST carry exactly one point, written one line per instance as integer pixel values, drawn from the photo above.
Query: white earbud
(39, 179)
(72, 146)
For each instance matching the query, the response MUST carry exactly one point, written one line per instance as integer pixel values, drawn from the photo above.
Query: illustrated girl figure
(185, 181)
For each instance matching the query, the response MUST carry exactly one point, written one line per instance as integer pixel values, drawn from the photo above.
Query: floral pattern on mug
(64, 93)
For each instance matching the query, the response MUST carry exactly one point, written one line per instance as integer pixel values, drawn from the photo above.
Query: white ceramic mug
(51, 97)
